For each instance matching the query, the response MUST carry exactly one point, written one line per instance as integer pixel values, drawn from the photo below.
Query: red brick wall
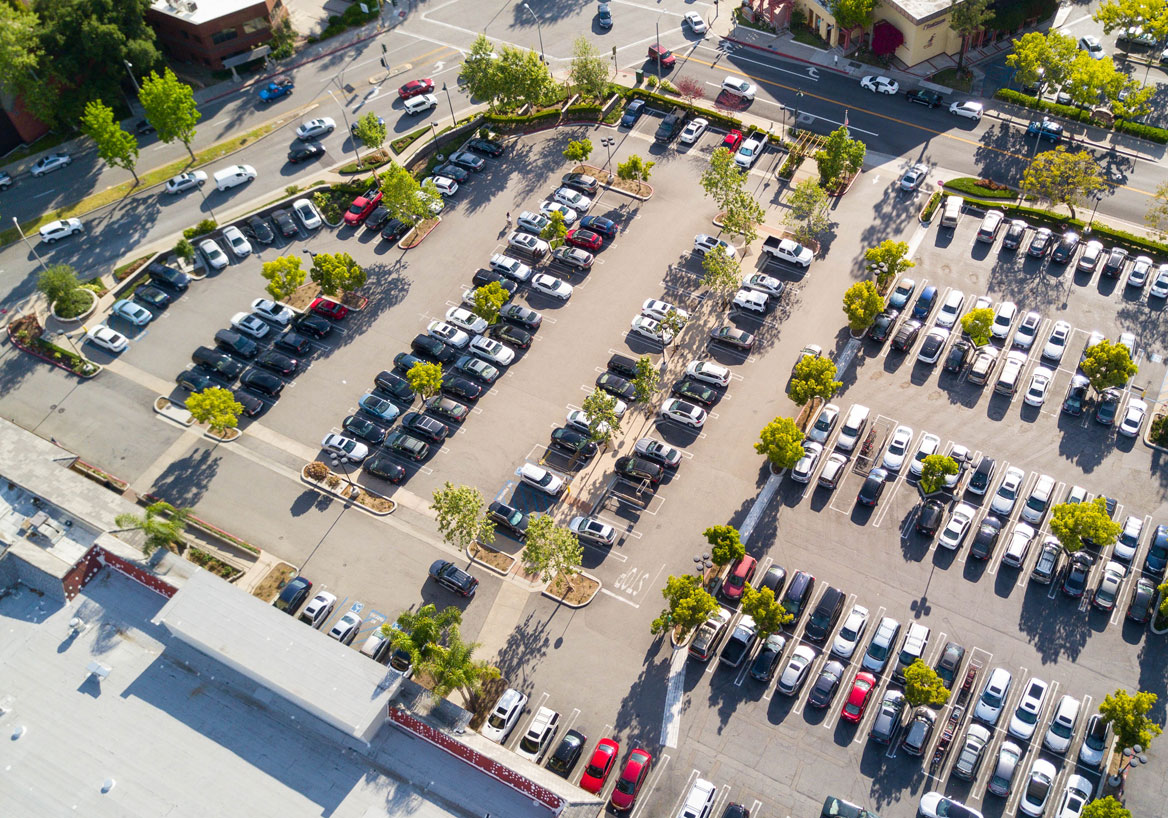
(193, 43)
(96, 558)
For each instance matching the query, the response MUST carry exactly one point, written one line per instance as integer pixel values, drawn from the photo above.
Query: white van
(853, 427)
(951, 213)
(233, 176)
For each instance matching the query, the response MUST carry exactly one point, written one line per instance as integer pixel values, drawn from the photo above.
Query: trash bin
(640, 75)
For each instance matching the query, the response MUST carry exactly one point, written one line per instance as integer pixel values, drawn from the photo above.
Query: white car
(59, 229)
(764, 283)
(650, 328)
(655, 308)
(249, 324)
(448, 334)
(935, 805)
(796, 670)
(345, 447)
(1159, 288)
(132, 311)
(914, 177)
(1038, 787)
(748, 153)
(833, 469)
(967, 110)
(532, 222)
(704, 244)
(684, 412)
(1026, 714)
(540, 478)
(1090, 43)
(955, 530)
(751, 301)
(47, 164)
(1133, 417)
(934, 345)
(213, 253)
(239, 245)
(318, 609)
(792, 252)
(492, 351)
(1127, 340)
(801, 472)
(993, 696)
(898, 448)
(739, 87)
(1138, 275)
(709, 372)
(505, 714)
(695, 22)
(513, 268)
(824, 423)
(1056, 344)
(108, 339)
(592, 530)
(929, 444)
(573, 199)
(578, 419)
(307, 213)
(528, 243)
(1076, 795)
(316, 128)
(551, 286)
(276, 313)
(694, 130)
(1039, 384)
(1003, 320)
(344, 630)
(548, 207)
(1027, 330)
(951, 308)
(1007, 494)
(880, 85)
(1092, 252)
(186, 181)
(466, 320)
(445, 185)
(852, 632)
(420, 104)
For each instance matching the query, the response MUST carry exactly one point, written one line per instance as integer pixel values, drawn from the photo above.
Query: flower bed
(25, 334)
(633, 187)
(332, 483)
(495, 560)
(575, 593)
(983, 188)
(213, 564)
(930, 207)
(369, 161)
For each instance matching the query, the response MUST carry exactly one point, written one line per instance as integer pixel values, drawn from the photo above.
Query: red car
(584, 238)
(362, 206)
(741, 573)
(732, 140)
(603, 757)
(329, 309)
(415, 87)
(862, 689)
(624, 794)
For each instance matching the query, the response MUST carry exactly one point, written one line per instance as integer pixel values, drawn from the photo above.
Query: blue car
(275, 90)
(1046, 129)
(925, 302)
(604, 16)
(633, 113)
(601, 225)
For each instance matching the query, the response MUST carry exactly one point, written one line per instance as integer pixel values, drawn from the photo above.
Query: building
(211, 31)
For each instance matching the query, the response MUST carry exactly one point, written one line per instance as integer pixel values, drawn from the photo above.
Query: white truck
(788, 251)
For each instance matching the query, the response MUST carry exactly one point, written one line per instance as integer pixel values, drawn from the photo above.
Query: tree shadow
(184, 481)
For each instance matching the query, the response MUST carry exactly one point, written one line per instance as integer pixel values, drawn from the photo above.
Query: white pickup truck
(789, 251)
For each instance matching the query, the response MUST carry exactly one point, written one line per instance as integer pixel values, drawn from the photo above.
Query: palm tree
(163, 525)
(420, 632)
(453, 667)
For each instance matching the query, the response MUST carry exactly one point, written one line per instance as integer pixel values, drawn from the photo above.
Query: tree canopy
(922, 685)
(1062, 177)
(808, 210)
(720, 272)
(1072, 522)
(978, 325)
(814, 377)
(162, 524)
(216, 407)
(781, 441)
(934, 470)
(489, 299)
(768, 614)
(425, 378)
(337, 273)
(966, 18)
(889, 258)
(1106, 364)
(1042, 57)
(839, 158)
(688, 605)
(588, 72)
(1128, 717)
(114, 145)
(284, 274)
(725, 544)
(461, 516)
(170, 107)
(862, 303)
(506, 79)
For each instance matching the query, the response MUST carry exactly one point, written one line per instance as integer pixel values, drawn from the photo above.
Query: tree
(966, 18)
(425, 378)
(551, 548)
(60, 285)
(284, 275)
(1128, 717)
(670, 325)
(862, 303)
(216, 407)
(461, 519)
(851, 13)
(922, 685)
(840, 157)
(721, 273)
(814, 377)
(337, 273)
(782, 443)
(1157, 216)
(725, 544)
(722, 178)
(690, 89)
(1106, 364)
(520, 78)
(1071, 523)
(742, 215)
(588, 73)
(163, 525)
(602, 420)
(480, 69)
(370, 130)
(489, 299)
(768, 614)
(1152, 17)
(453, 667)
(1105, 808)
(688, 605)
(934, 470)
(114, 145)
(399, 194)
(578, 150)
(1088, 79)
(1045, 58)
(170, 108)
(20, 50)
(890, 259)
(554, 231)
(647, 380)
(978, 324)
(808, 210)
(634, 169)
(421, 632)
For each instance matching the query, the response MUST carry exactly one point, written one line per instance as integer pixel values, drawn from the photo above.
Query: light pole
(703, 564)
(608, 142)
(1132, 757)
(340, 462)
(798, 102)
(36, 255)
(657, 45)
(453, 121)
(133, 79)
(1098, 197)
(539, 28)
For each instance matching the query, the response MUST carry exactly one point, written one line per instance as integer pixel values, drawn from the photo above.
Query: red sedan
(732, 140)
(584, 238)
(329, 309)
(603, 757)
(741, 573)
(624, 794)
(362, 206)
(862, 689)
(415, 87)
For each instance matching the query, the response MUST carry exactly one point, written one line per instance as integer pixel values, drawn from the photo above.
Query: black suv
(825, 615)
(216, 363)
(959, 355)
(930, 517)
(922, 96)
(263, 382)
(432, 348)
(314, 325)
(638, 469)
(394, 385)
(509, 518)
(169, 278)
(425, 427)
(623, 365)
(448, 574)
(670, 127)
(798, 593)
(231, 341)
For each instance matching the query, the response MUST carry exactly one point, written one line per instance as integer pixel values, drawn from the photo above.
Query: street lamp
(538, 28)
(798, 102)
(453, 121)
(608, 142)
(703, 564)
(1098, 197)
(1132, 757)
(133, 79)
(657, 26)
(36, 255)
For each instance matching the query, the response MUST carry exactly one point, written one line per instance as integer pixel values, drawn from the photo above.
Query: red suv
(660, 54)
(329, 309)
(362, 206)
(584, 238)
(741, 572)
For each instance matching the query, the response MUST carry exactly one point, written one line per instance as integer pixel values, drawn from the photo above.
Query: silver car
(795, 672)
(1009, 754)
(880, 648)
(972, 751)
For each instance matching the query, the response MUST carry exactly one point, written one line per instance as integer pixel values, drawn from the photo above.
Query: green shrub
(328, 206)
(201, 229)
(399, 145)
(184, 249)
(74, 303)
(983, 188)
(715, 117)
(794, 159)
(1158, 432)
(1149, 132)
(931, 207)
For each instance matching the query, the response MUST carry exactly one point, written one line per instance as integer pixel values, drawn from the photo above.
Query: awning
(886, 38)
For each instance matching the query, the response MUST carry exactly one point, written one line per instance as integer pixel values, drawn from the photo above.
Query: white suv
(853, 427)
(993, 696)
(699, 801)
(1026, 715)
(505, 715)
(541, 732)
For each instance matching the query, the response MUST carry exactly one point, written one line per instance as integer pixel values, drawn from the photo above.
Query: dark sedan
(1078, 570)
(1107, 406)
(314, 325)
(959, 355)
(293, 595)
(1143, 601)
(616, 386)
(284, 224)
(305, 153)
(447, 408)
(362, 428)
(407, 446)
(294, 344)
(581, 182)
(823, 691)
(1066, 248)
(906, 336)
(460, 388)
(573, 441)
(734, 337)
(430, 347)
(263, 382)
(510, 334)
(257, 230)
(394, 386)
(509, 518)
(526, 318)
(381, 466)
(873, 487)
(394, 229)
(435, 431)
(697, 392)
(883, 325)
(599, 224)
(377, 219)
(169, 278)
(278, 363)
(252, 405)
(151, 296)
(986, 538)
(487, 147)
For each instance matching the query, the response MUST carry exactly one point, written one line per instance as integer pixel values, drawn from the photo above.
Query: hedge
(399, 145)
(1072, 112)
(670, 103)
(974, 187)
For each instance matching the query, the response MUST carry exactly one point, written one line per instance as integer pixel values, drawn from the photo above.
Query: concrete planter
(77, 320)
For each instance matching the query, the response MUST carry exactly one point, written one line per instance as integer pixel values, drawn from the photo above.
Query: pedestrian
(508, 218)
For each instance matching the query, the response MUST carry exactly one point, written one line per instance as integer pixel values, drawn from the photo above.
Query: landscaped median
(1075, 114)
(325, 480)
(27, 334)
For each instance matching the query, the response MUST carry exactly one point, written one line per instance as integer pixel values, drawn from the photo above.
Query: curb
(1155, 615)
(575, 605)
(491, 568)
(48, 360)
(174, 411)
(401, 246)
(323, 489)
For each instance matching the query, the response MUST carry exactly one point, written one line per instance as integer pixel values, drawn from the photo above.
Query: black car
(623, 365)
(216, 363)
(632, 111)
(404, 361)
(826, 684)
(381, 466)
(447, 408)
(363, 428)
(922, 96)
(151, 296)
(906, 336)
(979, 483)
(430, 347)
(510, 334)
(468, 161)
(314, 325)
(959, 355)
(1156, 559)
(293, 343)
(571, 440)
(767, 660)
(697, 392)
(1076, 399)
(394, 229)
(775, 578)
(263, 382)
(407, 446)
(563, 759)
(285, 226)
(1142, 601)
(509, 518)
(1107, 406)
(487, 147)
(435, 431)
(236, 343)
(460, 388)
(252, 405)
(278, 363)
(916, 736)
(1014, 235)
(1066, 248)
(194, 380)
(1040, 243)
(616, 386)
(450, 575)
(293, 595)
(950, 663)
(303, 153)
(986, 538)
(377, 219)
(581, 182)
(1116, 259)
(1078, 569)
(883, 325)
(169, 278)
(523, 317)
(638, 469)
(873, 487)
(930, 517)
(482, 278)
(452, 171)
(599, 224)
(143, 127)
(257, 230)
(394, 385)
